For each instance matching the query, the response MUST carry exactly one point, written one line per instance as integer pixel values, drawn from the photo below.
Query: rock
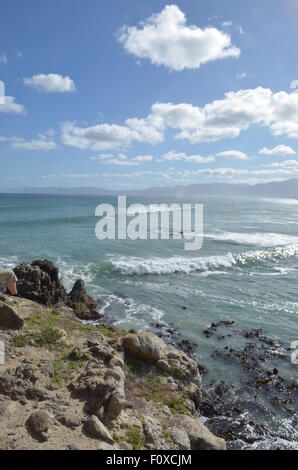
(39, 281)
(71, 421)
(181, 439)
(20, 383)
(154, 433)
(95, 428)
(9, 318)
(199, 435)
(102, 387)
(81, 303)
(144, 346)
(40, 424)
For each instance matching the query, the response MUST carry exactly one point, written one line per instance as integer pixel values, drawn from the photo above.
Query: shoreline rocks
(39, 281)
(68, 385)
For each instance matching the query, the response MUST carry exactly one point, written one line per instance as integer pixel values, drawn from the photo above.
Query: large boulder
(9, 318)
(200, 437)
(39, 281)
(146, 346)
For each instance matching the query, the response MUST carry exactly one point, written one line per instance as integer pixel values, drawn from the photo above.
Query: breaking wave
(258, 239)
(177, 264)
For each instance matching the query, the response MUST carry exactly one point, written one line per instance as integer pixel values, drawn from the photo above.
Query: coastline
(225, 409)
(71, 385)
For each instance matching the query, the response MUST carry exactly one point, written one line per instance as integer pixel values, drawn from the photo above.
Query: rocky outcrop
(40, 282)
(71, 385)
(153, 350)
(82, 304)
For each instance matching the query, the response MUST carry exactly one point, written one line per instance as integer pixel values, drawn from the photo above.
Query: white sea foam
(292, 202)
(176, 264)
(258, 239)
(8, 261)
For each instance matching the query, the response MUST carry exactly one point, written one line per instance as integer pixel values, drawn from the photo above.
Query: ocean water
(246, 271)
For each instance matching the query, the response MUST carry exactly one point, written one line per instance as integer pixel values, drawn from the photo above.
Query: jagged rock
(40, 425)
(180, 438)
(39, 281)
(81, 303)
(199, 435)
(9, 318)
(95, 428)
(154, 433)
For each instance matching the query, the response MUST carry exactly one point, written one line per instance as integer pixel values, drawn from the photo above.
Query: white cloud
(11, 107)
(278, 150)
(227, 24)
(220, 119)
(42, 143)
(233, 154)
(3, 59)
(51, 83)
(241, 76)
(143, 158)
(176, 156)
(165, 39)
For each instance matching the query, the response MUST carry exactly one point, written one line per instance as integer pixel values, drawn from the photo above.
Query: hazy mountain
(283, 189)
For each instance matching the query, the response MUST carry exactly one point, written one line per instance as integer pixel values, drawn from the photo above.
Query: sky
(131, 94)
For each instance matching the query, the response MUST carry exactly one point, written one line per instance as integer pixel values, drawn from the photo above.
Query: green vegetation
(45, 337)
(135, 438)
(65, 369)
(154, 389)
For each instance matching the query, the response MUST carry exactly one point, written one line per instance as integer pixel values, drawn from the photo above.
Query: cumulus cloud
(233, 154)
(176, 156)
(278, 150)
(220, 119)
(51, 83)
(42, 144)
(122, 160)
(10, 106)
(166, 39)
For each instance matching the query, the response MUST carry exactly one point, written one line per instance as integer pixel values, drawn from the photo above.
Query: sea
(246, 272)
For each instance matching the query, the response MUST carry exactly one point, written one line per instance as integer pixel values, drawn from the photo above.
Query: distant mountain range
(282, 189)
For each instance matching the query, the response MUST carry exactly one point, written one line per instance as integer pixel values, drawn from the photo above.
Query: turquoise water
(246, 270)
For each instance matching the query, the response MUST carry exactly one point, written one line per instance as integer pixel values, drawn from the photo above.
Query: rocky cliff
(66, 384)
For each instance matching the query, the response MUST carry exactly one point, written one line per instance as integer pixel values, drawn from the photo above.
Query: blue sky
(105, 94)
